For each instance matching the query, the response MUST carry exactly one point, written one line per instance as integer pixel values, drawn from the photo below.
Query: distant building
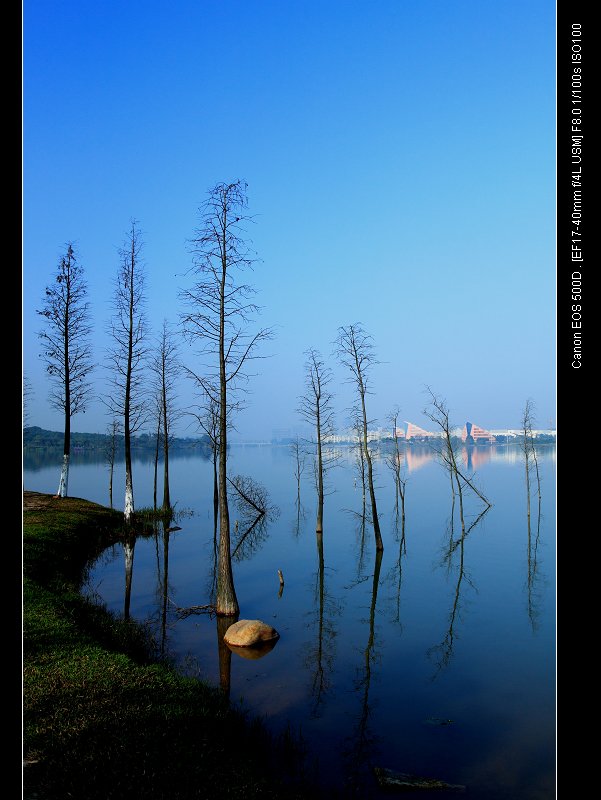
(472, 433)
(410, 431)
(517, 433)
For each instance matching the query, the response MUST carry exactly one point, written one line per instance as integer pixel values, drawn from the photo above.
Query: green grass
(102, 719)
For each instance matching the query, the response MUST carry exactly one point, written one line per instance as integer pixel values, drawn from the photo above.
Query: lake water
(438, 660)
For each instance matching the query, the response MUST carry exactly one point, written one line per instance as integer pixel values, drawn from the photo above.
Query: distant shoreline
(35, 438)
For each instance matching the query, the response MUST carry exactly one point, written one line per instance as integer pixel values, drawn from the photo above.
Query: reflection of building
(474, 457)
(417, 457)
(473, 434)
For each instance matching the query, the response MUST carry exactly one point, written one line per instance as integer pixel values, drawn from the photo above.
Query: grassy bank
(101, 718)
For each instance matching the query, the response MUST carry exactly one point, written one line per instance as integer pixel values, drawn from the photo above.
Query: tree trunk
(156, 462)
(63, 486)
(319, 526)
(166, 498)
(370, 481)
(111, 485)
(227, 602)
(129, 484)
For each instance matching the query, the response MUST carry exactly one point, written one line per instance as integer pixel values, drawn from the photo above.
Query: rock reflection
(255, 652)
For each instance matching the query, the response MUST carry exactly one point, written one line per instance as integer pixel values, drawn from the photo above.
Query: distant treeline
(37, 437)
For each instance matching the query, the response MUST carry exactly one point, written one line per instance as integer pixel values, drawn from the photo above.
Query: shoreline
(102, 716)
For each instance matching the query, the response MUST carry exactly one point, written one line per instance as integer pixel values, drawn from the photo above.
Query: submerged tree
(529, 450)
(355, 352)
(67, 351)
(300, 457)
(394, 461)
(127, 355)
(218, 312)
(528, 447)
(165, 367)
(316, 409)
(446, 448)
(110, 451)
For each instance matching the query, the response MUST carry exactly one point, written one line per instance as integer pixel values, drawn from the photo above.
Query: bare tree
(356, 430)
(165, 367)
(27, 394)
(394, 461)
(67, 350)
(110, 451)
(128, 328)
(300, 457)
(354, 350)
(316, 409)
(447, 450)
(158, 419)
(529, 450)
(218, 313)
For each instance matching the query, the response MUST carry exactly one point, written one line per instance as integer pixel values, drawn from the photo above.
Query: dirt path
(32, 500)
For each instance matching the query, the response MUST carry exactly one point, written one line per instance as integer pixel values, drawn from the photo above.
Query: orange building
(410, 431)
(472, 433)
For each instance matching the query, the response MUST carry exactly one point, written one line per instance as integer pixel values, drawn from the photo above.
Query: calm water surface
(437, 659)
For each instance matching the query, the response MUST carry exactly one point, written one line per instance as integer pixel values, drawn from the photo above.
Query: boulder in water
(249, 633)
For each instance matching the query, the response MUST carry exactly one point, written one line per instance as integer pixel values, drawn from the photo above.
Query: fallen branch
(209, 608)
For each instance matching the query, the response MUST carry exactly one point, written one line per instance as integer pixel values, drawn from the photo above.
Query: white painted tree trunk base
(64, 481)
(129, 504)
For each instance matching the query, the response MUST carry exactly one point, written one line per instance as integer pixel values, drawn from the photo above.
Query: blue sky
(400, 159)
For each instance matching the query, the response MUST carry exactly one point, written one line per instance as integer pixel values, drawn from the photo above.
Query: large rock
(249, 633)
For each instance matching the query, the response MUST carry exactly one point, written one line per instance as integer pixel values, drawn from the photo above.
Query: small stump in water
(250, 633)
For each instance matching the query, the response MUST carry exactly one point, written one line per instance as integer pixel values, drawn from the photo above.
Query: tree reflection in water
(536, 581)
(128, 548)
(396, 571)
(359, 750)
(453, 559)
(318, 655)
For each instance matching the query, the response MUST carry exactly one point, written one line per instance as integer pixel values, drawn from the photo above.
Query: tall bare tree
(66, 347)
(354, 351)
(218, 313)
(316, 409)
(128, 329)
(165, 367)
